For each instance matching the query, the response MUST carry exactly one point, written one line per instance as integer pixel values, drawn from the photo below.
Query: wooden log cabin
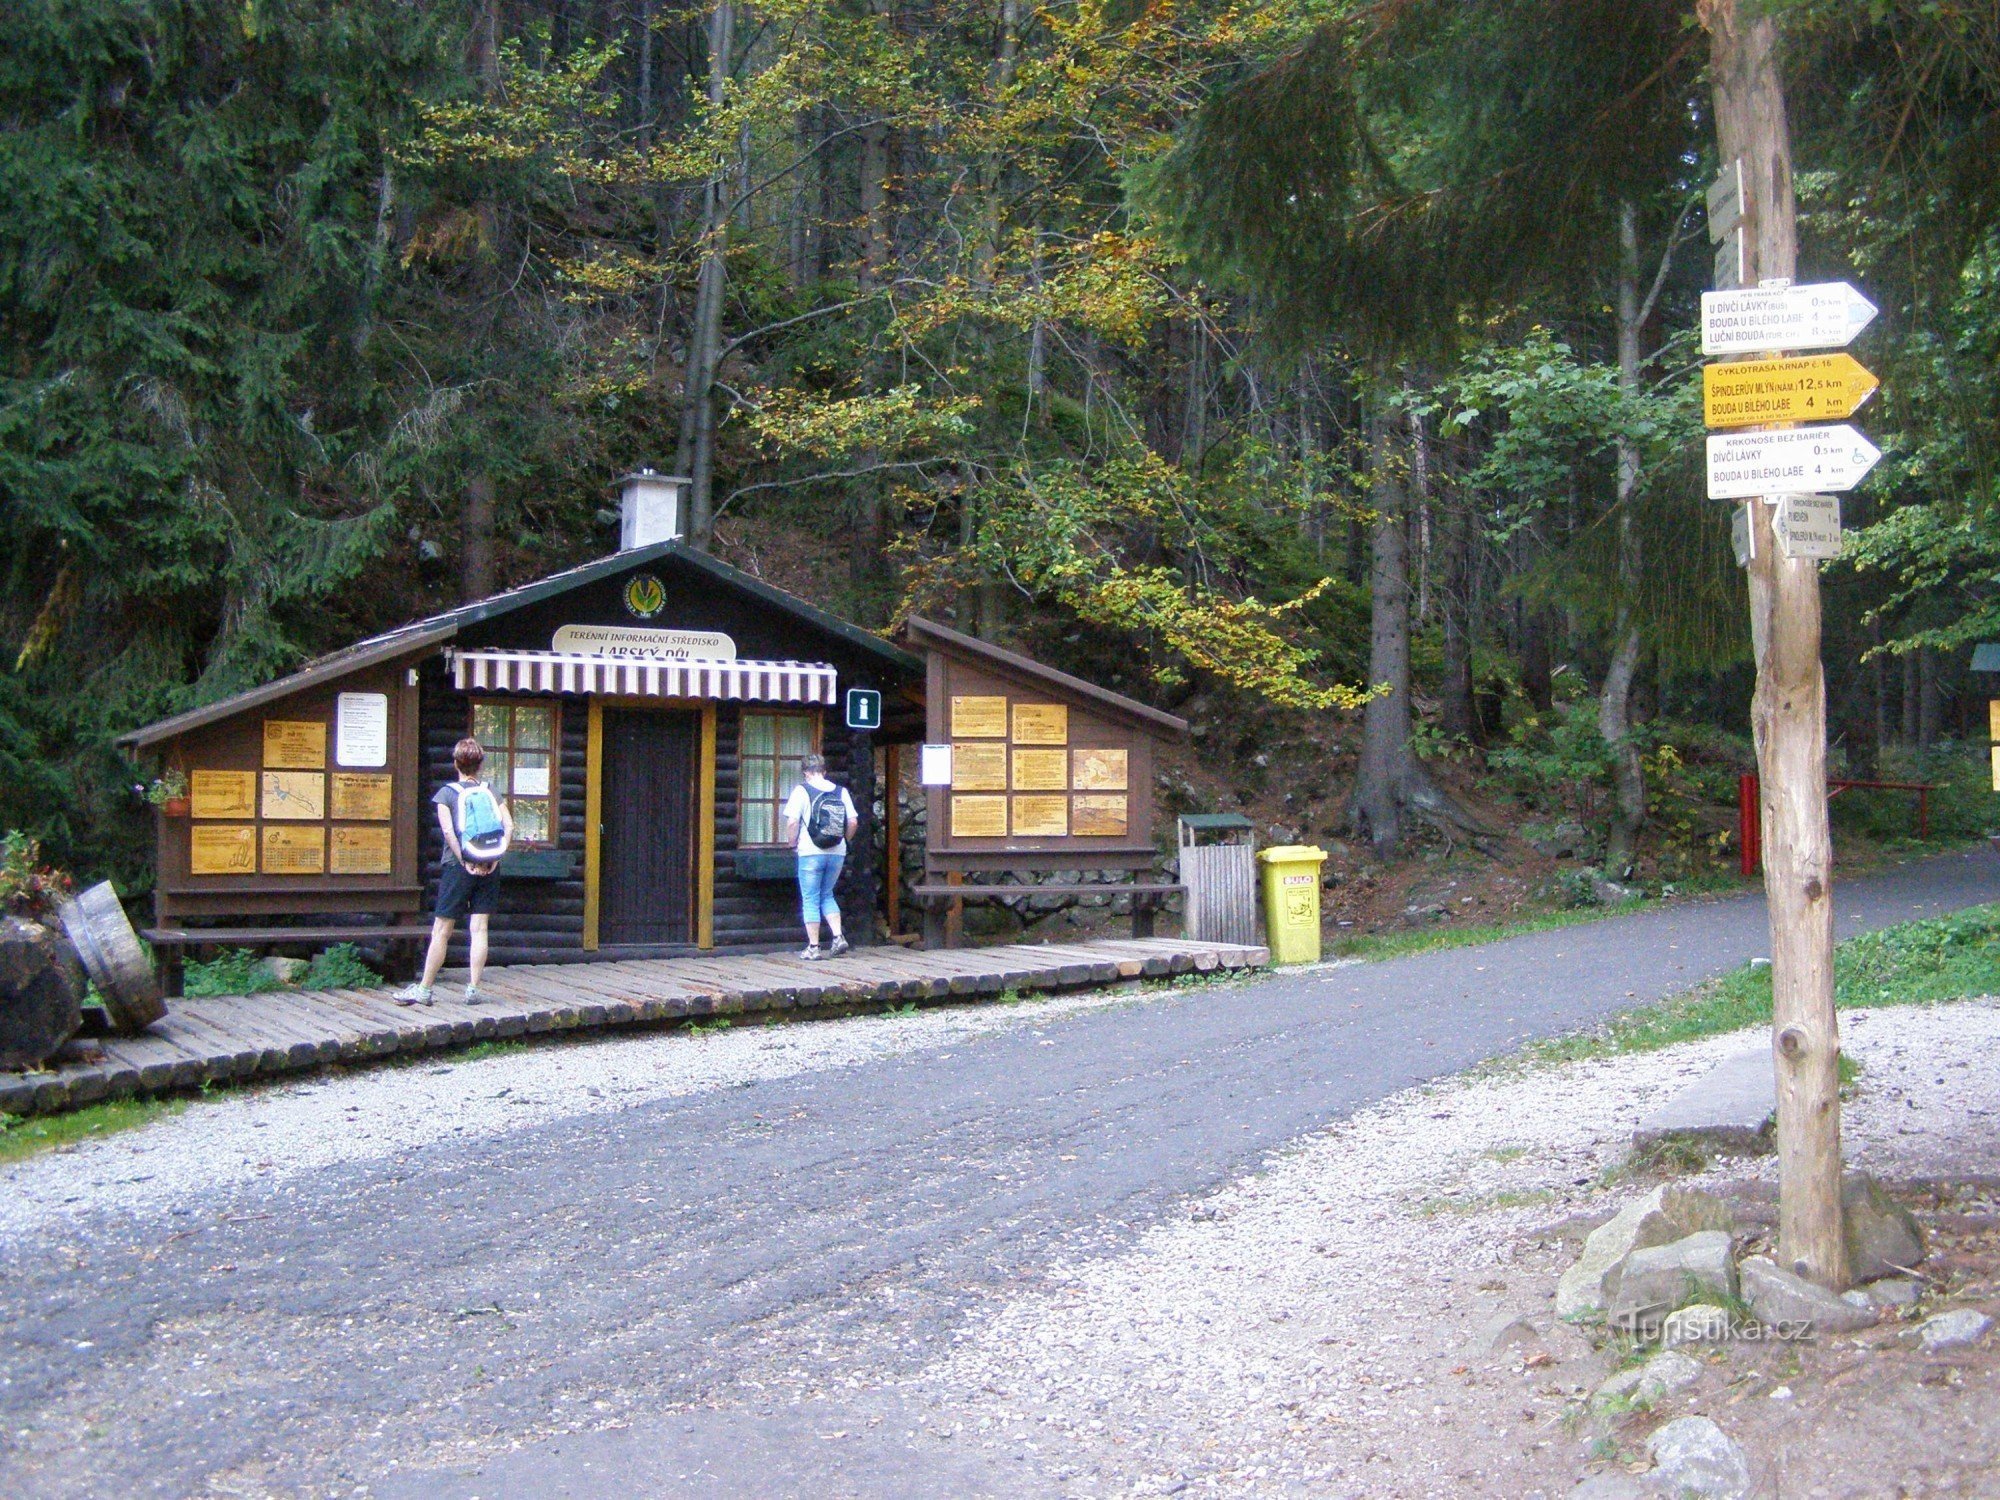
(645, 716)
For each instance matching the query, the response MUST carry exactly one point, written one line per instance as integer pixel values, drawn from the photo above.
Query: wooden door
(646, 872)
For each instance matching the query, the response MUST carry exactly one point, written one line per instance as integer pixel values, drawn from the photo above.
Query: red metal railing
(1749, 824)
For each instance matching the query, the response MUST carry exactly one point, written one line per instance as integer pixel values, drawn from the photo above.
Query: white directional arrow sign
(1763, 320)
(1742, 465)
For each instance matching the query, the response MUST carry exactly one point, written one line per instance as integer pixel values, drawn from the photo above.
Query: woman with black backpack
(822, 817)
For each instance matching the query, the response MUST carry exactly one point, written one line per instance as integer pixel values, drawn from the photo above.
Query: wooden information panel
(1099, 816)
(978, 718)
(1041, 723)
(294, 796)
(1041, 770)
(294, 851)
(1040, 817)
(295, 744)
(361, 851)
(364, 796)
(222, 794)
(1102, 770)
(222, 849)
(978, 817)
(979, 768)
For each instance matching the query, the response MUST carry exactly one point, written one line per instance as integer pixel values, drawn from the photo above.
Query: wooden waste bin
(1218, 857)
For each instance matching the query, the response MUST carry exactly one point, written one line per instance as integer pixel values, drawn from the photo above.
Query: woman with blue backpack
(821, 816)
(477, 829)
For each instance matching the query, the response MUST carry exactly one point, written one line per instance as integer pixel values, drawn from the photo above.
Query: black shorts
(461, 893)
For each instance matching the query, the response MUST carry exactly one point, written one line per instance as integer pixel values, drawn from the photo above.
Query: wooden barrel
(114, 958)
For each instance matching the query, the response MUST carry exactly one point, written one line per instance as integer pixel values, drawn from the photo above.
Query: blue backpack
(480, 831)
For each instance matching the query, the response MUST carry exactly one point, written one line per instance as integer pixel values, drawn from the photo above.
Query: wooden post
(892, 835)
(954, 916)
(1788, 713)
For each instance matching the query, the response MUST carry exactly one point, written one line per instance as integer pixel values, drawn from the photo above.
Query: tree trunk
(1614, 703)
(1788, 713)
(1879, 670)
(41, 993)
(1930, 700)
(696, 457)
(1911, 711)
(1385, 722)
(870, 523)
(1456, 715)
(478, 519)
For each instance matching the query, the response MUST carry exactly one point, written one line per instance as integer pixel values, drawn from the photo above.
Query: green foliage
(29, 888)
(234, 971)
(340, 967)
(1558, 760)
(22, 1137)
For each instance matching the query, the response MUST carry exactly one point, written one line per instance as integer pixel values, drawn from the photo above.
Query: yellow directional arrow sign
(1814, 388)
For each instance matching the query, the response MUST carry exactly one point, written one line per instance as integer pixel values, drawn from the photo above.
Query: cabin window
(520, 739)
(771, 746)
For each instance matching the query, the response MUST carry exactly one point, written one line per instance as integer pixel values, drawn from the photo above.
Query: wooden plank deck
(233, 1037)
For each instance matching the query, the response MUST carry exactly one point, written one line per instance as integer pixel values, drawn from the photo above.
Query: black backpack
(826, 818)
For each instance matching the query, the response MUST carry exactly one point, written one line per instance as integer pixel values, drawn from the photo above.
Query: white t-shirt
(800, 802)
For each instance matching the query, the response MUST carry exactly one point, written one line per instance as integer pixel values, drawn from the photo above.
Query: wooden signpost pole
(1788, 714)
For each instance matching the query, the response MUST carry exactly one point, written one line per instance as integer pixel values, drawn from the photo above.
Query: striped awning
(562, 672)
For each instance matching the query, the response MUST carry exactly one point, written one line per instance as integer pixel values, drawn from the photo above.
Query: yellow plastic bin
(1291, 901)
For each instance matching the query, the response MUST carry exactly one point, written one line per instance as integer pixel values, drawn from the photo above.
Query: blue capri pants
(817, 873)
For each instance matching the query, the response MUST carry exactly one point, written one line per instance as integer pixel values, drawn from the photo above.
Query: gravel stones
(1776, 1296)
(1883, 1237)
(1662, 1277)
(1661, 1217)
(1692, 1457)
(1960, 1328)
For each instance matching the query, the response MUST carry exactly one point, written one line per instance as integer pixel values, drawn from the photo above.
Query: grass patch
(239, 971)
(21, 1138)
(1375, 946)
(1927, 962)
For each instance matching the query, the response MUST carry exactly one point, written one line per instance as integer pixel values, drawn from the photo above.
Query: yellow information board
(295, 744)
(1811, 388)
(1041, 771)
(1041, 723)
(1099, 770)
(222, 849)
(1041, 817)
(978, 817)
(294, 851)
(361, 851)
(223, 794)
(1098, 815)
(979, 768)
(977, 718)
(294, 796)
(1993, 718)
(364, 796)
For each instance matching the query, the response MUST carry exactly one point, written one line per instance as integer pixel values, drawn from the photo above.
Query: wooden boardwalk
(258, 1036)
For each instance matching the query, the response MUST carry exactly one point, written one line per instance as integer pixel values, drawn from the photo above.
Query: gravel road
(713, 1288)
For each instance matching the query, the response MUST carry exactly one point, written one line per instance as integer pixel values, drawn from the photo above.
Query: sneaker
(811, 952)
(840, 946)
(412, 994)
(473, 996)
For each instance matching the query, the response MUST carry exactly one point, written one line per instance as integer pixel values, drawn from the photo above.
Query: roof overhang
(931, 635)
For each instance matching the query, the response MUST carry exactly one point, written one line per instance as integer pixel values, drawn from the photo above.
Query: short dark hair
(811, 764)
(468, 756)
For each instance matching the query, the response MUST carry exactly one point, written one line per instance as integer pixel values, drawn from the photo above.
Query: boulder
(1728, 1109)
(41, 993)
(1503, 1332)
(1660, 1278)
(284, 970)
(1960, 1328)
(1665, 1374)
(1776, 1296)
(1883, 1237)
(1692, 1457)
(1664, 1215)
(1894, 1291)
(1563, 840)
(1697, 1323)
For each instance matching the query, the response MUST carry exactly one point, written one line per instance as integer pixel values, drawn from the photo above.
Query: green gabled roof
(421, 635)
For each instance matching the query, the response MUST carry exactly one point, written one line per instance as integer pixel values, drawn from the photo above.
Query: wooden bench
(936, 898)
(170, 943)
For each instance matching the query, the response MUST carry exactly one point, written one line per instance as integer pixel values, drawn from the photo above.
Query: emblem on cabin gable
(645, 596)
